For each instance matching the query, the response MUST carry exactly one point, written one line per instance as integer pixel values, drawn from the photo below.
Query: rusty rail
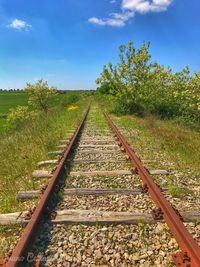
(20, 250)
(190, 251)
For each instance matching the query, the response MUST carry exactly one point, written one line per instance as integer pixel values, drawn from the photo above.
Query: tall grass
(21, 150)
(181, 144)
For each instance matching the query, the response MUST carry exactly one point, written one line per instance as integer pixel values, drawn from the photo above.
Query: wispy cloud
(107, 21)
(19, 24)
(115, 19)
(128, 9)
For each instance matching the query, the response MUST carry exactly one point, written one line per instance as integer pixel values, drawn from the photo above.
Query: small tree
(40, 95)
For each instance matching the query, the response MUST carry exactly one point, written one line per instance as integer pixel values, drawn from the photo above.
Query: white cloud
(107, 21)
(128, 10)
(144, 6)
(113, 1)
(115, 20)
(124, 16)
(19, 25)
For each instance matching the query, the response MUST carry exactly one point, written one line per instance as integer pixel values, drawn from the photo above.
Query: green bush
(40, 95)
(20, 116)
(70, 98)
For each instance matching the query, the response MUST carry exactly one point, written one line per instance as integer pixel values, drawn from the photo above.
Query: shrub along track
(99, 214)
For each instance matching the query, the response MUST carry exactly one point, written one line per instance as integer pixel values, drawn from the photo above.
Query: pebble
(138, 204)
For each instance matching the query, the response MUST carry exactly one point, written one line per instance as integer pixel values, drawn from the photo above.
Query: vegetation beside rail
(164, 106)
(141, 86)
(10, 100)
(22, 147)
(28, 141)
(178, 143)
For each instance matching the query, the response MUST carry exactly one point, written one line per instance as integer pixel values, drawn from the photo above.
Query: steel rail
(20, 250)
(190, 251)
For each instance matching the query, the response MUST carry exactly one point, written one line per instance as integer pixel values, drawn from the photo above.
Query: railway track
(101, 207)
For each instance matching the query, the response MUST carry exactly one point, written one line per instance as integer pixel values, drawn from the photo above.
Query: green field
(10, 100)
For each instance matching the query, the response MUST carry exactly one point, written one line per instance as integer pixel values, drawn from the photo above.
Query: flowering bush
(19, 116)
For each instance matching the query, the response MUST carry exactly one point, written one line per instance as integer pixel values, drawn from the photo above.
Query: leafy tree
(110, 80)
(40, 95)
(191, 98)
(128, 80)
(140, 85)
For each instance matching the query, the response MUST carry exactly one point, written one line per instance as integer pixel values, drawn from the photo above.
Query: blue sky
(67, 42)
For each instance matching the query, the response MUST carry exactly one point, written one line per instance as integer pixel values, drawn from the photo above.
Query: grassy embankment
(10, 100)
(180, 144)
(20, 150)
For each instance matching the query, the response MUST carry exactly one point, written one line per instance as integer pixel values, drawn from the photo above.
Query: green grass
(10, 100)
(180, 143)
(9, 234)
(20, 150)
(175, 191)
(177, 143)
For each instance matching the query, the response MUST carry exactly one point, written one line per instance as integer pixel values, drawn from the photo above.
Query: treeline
(141, 86)
(87, 92)
(11, 90)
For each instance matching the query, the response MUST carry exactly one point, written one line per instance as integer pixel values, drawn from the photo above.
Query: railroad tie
(85, 161)
(98, 139)
(72, 216)
(114, 173)
(102, 151)
(37, 174)
(48, 162)
(94, 145)
(55, 153)
(83, 192)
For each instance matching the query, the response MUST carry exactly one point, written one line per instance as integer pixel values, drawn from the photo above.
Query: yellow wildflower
(72, 107)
